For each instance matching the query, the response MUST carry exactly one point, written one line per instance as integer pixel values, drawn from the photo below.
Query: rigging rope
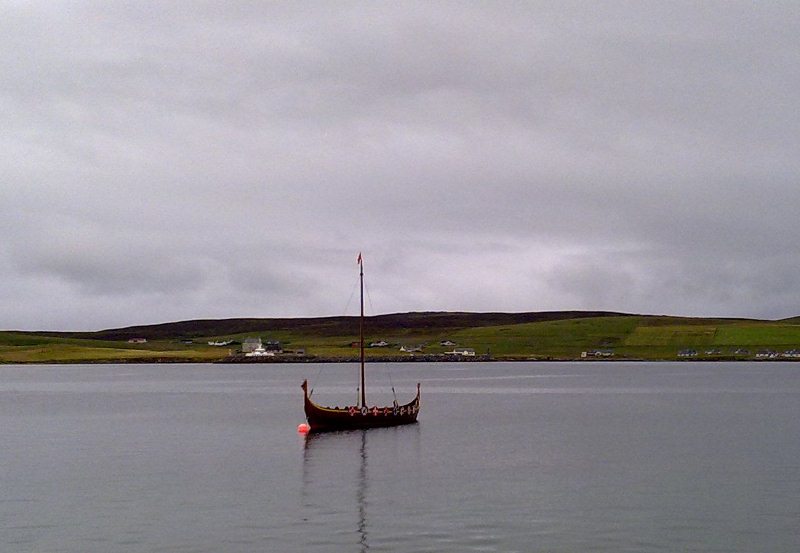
(350, 299)
(369, 299)
(346, 307)
(372, 310)
(388, 371)
(319, 372)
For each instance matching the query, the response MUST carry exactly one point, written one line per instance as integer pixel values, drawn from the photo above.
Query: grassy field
(627, 336)
(27, 348)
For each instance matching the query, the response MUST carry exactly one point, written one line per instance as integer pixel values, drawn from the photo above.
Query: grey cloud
(98, 267)
(512, 156)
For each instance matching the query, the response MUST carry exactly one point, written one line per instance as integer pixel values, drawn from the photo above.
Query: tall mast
(361, 330)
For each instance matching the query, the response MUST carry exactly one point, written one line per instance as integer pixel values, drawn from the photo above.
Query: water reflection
(321, 454)
(340, 494)
(361, 494)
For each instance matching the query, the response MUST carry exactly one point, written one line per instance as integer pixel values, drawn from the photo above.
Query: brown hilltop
(328, 326)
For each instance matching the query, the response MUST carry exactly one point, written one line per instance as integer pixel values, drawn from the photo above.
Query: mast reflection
(321, 450)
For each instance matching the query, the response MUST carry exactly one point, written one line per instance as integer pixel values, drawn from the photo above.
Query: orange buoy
(303, 428)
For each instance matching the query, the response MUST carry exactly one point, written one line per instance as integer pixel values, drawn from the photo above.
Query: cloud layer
(170, 162)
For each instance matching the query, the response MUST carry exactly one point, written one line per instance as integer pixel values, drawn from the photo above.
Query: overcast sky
(178, 160)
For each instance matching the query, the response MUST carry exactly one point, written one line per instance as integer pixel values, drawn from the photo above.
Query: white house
(260, 352)
(410, 349)
(447, 343)
(464, 352)
(379, 344)
(597, 353)
(251, 344)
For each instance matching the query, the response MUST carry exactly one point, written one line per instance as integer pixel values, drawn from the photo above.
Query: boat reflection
(320, 453)
(339, 465)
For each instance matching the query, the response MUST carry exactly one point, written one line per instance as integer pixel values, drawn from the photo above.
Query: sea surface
(528, 457)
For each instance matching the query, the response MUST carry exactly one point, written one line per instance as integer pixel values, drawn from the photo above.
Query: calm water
(568, 457)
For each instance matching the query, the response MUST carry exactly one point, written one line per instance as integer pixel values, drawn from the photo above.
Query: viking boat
(362, 415)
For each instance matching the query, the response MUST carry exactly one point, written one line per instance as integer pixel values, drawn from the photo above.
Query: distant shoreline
(485, 359)
(415, 359)
(421, 337)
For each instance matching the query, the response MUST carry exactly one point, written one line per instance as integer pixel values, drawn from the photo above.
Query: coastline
(494, 337)
(234, 360)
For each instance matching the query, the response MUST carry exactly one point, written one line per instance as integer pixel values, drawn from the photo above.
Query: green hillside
(18, 347)
(501, 336)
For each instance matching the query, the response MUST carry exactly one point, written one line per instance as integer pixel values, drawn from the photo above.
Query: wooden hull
(327, 419)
